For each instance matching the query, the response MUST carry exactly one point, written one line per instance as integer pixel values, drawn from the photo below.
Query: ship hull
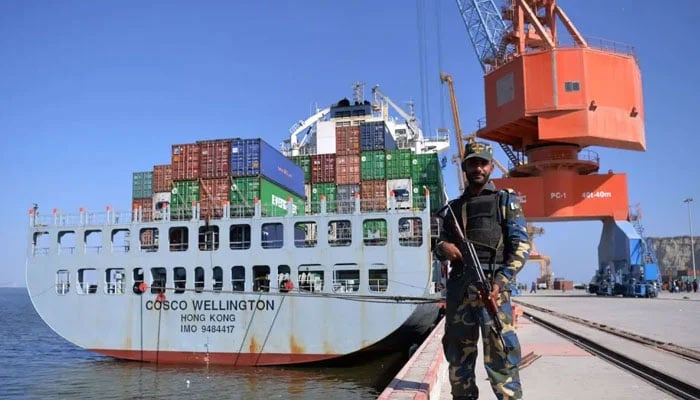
(388, 302)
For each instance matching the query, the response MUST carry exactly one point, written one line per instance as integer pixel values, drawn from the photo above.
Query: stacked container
(425, 173)
(142, 193)
(162, 185)
(269, 176)
(214, 169)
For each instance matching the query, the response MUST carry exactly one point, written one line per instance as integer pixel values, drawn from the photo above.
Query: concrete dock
(561, 370)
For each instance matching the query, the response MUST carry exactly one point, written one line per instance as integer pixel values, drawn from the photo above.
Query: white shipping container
(161, 201)
(325, 137)
(403, 192)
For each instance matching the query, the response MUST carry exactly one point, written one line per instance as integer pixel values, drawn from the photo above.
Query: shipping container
(347, 140)
(325, 137)
(304, 162)
(437, 195)
(346, 197)
(425, 168)
(162, 178)
(560, 284)
(328, 190)
(161, 201)
(254, 157)
(347, 169)
(322, 168)
(272, 197)
(374, 231)
(142, 185)
(214, 158)
(398, 164)
(372, 165)
(185, 161)
(184, 193)
(145, 206)
(214, 194)
(403, 192)
(373, 195)
(375, 135)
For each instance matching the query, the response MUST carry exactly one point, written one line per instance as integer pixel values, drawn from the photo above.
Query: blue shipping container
(375, 136)
(254, 157)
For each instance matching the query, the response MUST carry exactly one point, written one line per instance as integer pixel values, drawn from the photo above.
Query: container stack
(367, 162)
(185, 174)
(213, 173)
(162, 189)
(375, 141)
(142, 193)
(425, 173)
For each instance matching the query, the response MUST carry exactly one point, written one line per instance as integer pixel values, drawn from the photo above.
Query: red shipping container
(373, 195)
(162, 178)
(214, 158)
(347, 169)
(146, 206)
(347, 140)
(214, 193)
(322, 168)
(185, 161)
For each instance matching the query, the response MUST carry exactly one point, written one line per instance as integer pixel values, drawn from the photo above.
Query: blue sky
(93, 91)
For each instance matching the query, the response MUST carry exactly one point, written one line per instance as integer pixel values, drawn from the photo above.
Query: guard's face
(478, 171)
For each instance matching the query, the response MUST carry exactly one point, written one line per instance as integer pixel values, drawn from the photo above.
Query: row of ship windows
(374, 233)
(345, 278)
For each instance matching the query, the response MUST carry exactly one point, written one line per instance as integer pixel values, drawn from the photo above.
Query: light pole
(692, 246)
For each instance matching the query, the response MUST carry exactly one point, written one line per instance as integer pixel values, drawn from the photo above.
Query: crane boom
(486, 28)
(410, 119)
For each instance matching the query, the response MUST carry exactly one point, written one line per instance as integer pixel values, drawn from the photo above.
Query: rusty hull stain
(254, 347)
(294, 346)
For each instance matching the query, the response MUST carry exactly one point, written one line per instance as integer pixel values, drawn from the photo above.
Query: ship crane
(292, 145)
(414, 137)
(379, 103)
(548, 102)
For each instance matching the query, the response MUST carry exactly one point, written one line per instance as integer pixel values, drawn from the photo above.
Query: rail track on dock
(650, 373)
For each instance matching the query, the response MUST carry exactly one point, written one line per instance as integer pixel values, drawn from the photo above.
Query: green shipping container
(305, 163)
(142, 187)
(425, 168)
(372, 165)
(273, 198)
(374, 231)
(398, 164)
(437, 196)
(326, 189)
(182, 196)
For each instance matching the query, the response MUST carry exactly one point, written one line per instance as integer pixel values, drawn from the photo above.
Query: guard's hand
(495, 289)
(450, 251)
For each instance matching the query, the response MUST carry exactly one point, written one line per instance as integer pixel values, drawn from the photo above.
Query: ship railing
(346, 285)
(323, 206)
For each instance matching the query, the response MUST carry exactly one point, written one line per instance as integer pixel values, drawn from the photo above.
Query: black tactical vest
(484, 228)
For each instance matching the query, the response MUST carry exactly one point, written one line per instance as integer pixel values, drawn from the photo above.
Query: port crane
(546, 103)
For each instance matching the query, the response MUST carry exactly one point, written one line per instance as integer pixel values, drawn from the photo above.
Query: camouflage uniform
(465, 315)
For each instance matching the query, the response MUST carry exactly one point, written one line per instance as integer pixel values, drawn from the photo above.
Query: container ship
(241, 253)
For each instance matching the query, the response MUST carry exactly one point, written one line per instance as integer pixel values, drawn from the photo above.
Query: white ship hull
(87, 292)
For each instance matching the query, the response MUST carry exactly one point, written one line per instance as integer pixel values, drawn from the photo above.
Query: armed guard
(493, 221)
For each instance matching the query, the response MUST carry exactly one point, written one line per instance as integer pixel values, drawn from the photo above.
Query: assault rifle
(483, 285)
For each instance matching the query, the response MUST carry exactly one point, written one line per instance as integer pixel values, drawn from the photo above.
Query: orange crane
(546, 102)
